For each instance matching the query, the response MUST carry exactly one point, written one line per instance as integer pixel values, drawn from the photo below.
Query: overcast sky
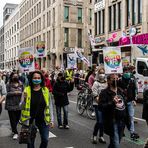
(2, 4)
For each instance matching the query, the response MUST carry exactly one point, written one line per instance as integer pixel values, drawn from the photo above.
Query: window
(142, 67)
(128, 11)
(90, 16)
(134, 12)
(43, 5)
(79, 38)
(114, 10)
(48, 40)
(95, 23)
(139, 11)
(43, 21)
(103, 21)
(119, 15)
(80, 15)
(99, 22)
(53, 15)
(48, 3)
(66, 37)
(110, 18)
(66, 13)
(53, 38)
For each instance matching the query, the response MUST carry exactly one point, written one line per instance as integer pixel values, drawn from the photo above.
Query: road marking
(73, 102)
(134, 117)
(139, 119)
(69, 147)
(51, 135)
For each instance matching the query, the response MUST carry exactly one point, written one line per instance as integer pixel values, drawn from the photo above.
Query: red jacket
(48, 84)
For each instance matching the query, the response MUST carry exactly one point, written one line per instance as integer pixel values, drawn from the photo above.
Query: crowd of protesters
(114, 96)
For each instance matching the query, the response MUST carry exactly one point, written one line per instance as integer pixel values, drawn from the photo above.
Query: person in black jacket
(113, 106)
(128, 85)
(60, 90)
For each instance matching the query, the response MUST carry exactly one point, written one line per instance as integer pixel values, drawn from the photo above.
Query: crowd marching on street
(30, 99)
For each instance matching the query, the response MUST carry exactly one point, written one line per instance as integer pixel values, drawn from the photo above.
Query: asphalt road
(79, 134)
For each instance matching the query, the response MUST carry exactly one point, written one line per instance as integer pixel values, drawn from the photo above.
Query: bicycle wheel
(90, 110)
(80, 105)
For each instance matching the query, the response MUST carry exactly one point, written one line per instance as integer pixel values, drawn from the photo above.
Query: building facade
(62, 24)
(2, 47)
(118, 16)
(11, 39)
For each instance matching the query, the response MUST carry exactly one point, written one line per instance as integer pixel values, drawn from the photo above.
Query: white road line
(139, 119)
(51, 135)
(69, 147)
(73, 102)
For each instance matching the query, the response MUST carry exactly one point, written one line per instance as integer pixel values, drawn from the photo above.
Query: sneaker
(102, 140)
(15, 136)
(60, 126)
(134, 136)
(94, 140)
(66, 126)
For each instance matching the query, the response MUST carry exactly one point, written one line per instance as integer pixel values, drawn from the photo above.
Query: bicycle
(85, 101)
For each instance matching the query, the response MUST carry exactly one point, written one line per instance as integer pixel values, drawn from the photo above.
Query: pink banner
(137, 39)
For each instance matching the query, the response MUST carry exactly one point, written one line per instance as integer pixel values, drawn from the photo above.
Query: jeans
(118, 128)
(14, 117)
(65, 115)
(44, 133)
(99, 123)
(131, 110)
(0, 109)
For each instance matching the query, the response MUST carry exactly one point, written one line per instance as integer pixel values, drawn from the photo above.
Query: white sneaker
(15, 136)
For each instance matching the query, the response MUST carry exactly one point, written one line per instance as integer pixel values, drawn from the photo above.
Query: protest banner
(112, 60)
(26, 59)
(40, 49)
(71, 61)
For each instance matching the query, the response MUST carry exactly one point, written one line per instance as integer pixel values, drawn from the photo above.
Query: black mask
(15, 79)
(114, 83)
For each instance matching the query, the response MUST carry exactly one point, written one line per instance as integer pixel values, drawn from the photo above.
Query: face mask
(62, 78)
(15, 79)
(127, 75)
(101, 76)
(34, 81)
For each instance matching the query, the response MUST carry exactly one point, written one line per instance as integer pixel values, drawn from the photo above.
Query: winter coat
(96, 89)
(110, 113)
(145, 104)
(13, 99)
(60, 91)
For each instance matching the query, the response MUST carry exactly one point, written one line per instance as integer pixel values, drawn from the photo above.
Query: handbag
(28, 133)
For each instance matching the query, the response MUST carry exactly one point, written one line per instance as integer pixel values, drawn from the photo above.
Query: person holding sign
(113, 106)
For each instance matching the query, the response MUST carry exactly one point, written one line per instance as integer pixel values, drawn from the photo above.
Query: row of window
(11, 53)
(35, 11)
(12, 41)
(2, 57)
(66, 14)
(12, 30)
(31, 29)
(67, 37)
(115, 16)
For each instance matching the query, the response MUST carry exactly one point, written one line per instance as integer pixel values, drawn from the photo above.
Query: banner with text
(112, 60)
(26, 59)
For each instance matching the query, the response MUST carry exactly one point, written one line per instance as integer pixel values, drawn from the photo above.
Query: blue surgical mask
(38, 81)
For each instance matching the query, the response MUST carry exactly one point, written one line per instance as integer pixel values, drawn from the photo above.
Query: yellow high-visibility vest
(69, 75)
(25, 113)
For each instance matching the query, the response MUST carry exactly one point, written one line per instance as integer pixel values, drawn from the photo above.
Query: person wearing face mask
(127, 84)
(99, 84)
(113, 106)
(37, 108)
(14, 91)
(60, 90)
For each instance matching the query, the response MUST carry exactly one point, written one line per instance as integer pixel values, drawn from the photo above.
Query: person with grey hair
(2, 92)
